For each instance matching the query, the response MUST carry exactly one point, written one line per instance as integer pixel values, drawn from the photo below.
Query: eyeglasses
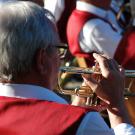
(62, 50)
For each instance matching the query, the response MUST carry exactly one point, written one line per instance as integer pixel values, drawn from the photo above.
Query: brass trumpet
(85, 91)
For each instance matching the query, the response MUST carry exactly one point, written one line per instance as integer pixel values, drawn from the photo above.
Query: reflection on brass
(81, 70)
(85, 91)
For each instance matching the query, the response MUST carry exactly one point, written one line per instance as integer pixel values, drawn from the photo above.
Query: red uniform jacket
(125, 53)
(75, 24)
(38, 117)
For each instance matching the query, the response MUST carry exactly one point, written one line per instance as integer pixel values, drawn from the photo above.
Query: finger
(103, 63)
(83, 83)
(122, 70)
(96, 88)
(115, 65)
(90, 82)
(111, 63)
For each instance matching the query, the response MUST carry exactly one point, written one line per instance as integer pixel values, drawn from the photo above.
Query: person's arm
(110, 90)
(118, 114)
(98, 36)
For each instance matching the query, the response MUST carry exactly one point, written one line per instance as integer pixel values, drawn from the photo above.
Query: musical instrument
(85, 91)
(130, 82)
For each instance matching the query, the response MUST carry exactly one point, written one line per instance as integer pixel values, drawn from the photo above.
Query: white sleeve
(112, 18)
(48, 4)
(56, 7)
(124, 129)
(98, 36)
(59, 9)
(94, 124)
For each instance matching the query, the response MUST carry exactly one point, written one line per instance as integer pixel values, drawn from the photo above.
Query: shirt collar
(29, 91)
(83, 6)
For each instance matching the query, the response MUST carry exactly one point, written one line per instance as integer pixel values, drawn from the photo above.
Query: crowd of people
(30, 61)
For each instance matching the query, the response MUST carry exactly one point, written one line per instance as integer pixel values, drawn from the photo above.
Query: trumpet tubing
(85, 91)
(81, 70)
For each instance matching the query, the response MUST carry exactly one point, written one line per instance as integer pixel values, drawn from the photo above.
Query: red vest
(62, 23)
(38, 117)
(76, 22)
(125, 53)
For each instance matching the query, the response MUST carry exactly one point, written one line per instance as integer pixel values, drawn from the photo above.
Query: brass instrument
(85, 91)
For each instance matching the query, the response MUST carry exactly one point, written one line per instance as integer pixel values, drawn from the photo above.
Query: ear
(41, 61)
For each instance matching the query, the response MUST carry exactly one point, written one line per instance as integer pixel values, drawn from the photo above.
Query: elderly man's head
(27, 43)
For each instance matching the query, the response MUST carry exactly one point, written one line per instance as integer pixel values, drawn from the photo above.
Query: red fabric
(125, 53)
(38, 117)
(75, 24)
(62, 23)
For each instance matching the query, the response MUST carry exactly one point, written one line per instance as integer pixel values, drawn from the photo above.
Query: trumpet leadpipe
(78, 70)
(130, 73)
(81, 70)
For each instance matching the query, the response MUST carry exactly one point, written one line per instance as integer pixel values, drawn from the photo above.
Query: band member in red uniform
(125, 54)
(89, 31)
(29, 64)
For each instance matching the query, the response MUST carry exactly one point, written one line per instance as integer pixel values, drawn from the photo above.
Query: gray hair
(24, 29)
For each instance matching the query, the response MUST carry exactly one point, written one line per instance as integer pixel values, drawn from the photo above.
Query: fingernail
(95, 55)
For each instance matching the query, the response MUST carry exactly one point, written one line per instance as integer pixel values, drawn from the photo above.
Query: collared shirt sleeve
(124, 129)
(98, 36)
(94, 124)
(112, 18)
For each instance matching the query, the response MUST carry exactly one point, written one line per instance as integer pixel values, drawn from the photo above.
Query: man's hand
(110, 89)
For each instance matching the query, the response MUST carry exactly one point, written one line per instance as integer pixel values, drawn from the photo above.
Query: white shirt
(112, 18)
(56, 7)
(116, 4)
(96, 34)
(92, 123)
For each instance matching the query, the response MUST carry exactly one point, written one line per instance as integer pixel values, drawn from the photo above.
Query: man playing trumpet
(29, 65)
